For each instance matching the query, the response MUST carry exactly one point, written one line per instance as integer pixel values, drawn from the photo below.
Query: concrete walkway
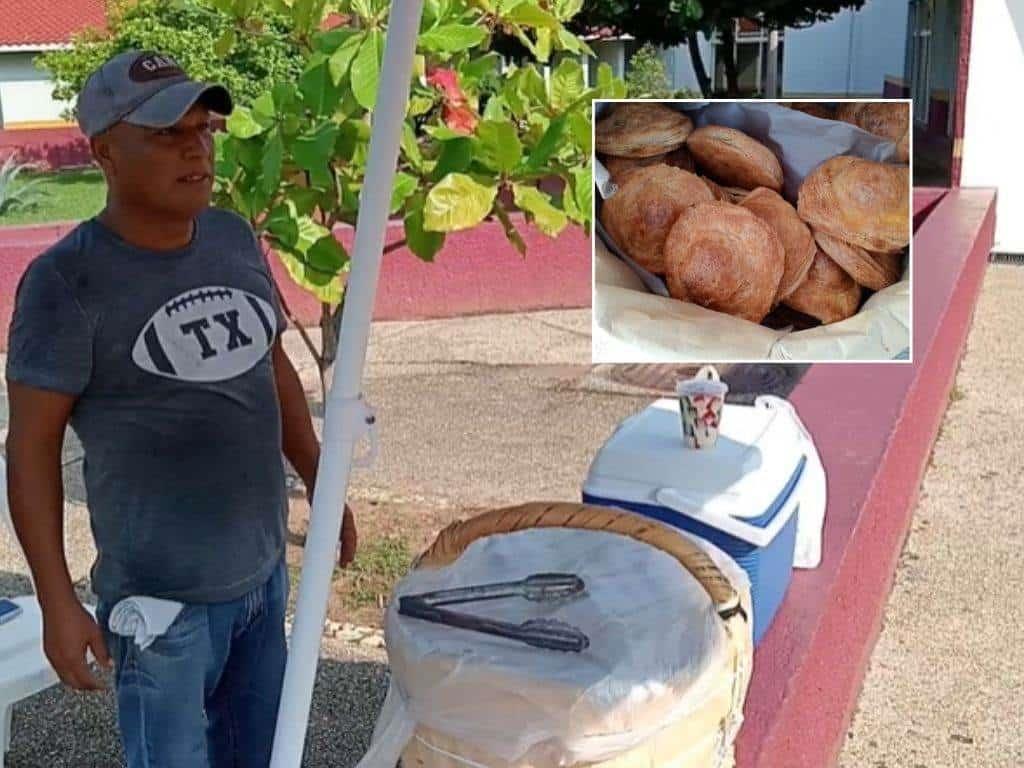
(946, 683)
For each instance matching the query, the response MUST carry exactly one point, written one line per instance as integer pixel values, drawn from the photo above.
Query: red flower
(456, 112)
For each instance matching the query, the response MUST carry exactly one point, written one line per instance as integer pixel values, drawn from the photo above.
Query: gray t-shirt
(177, 411)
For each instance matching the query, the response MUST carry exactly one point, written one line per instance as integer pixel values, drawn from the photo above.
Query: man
(154, 330)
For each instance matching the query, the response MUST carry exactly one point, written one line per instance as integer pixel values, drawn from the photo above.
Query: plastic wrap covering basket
(662, 681)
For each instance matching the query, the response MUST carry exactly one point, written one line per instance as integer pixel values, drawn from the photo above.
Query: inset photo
(744, 231)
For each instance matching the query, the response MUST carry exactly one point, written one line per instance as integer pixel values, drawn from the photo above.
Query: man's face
(147, 166)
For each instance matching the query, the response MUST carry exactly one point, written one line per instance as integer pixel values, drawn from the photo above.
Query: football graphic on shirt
(210, 333)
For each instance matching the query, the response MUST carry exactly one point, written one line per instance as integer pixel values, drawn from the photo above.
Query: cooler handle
(752, 534)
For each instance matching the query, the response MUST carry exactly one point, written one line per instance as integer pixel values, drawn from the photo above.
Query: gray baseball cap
(143, 88)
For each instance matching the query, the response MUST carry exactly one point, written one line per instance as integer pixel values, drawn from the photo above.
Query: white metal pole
(346, 417)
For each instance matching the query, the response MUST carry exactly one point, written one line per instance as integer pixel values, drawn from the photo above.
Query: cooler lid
(750, 468)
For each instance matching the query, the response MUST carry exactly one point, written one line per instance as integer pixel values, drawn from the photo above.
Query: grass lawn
(71, 195)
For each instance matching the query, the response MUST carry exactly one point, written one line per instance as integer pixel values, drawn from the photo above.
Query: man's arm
(35, 492)
(298, 438)
(299, 441)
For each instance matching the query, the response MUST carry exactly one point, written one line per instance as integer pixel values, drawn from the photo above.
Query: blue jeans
(204, 694)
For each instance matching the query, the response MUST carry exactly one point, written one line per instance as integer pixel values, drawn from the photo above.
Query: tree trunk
(732, 84)
(330, 335)
(698, 64)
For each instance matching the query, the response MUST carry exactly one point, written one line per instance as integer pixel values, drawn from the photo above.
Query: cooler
(742, 495)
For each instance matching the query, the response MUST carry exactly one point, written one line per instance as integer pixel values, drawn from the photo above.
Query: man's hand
(68, 630)
(349, 539)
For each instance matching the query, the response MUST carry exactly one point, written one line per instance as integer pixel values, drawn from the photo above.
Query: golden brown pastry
(641, 129)
(620, 167)
(862, 266)
(640, 214)
(815, 108)
(859, 201)
(828, 293)
(734, 158)
(890, 120)
(736, 194)
(723, 257)
(716, 190)
(796, 238)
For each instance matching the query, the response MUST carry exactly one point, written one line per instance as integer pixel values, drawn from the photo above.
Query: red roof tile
(27, 22)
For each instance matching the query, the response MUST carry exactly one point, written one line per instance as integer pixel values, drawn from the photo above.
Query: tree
(646, 78)
(476, 141)
(673, 23)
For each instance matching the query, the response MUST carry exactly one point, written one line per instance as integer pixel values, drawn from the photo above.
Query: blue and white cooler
(745, 495)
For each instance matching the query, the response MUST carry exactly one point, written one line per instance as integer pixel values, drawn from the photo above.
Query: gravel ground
(946, 683)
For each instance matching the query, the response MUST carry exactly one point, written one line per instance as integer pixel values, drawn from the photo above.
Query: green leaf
(225, 147)
(313, 152)
(581, 131)
(341, 59)
(419, 105)
(284, 95)
(365, 74)
(410, 147)
(421, 242)
(305, 199)
(548, 144)
(282, 223)
(263, 107)
(566, 9)
(326, 255)
(499, 145)
(566, 84)
(456, 156)
(530, 15)
(225, 43)
(404, 186)
(457, 202)
(475, 69)
(272, 158)
(546, 217)
(328, 42)
(443, 132)
(543, 47)
(583, 189)
(319, 92)
(496, 109)
(242, 124)
(452, 38)
(531, 87)
(569, 42)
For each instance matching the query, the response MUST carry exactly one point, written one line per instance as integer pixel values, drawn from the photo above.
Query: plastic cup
(700, 407)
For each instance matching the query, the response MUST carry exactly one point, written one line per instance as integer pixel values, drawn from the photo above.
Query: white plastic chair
(24, 668)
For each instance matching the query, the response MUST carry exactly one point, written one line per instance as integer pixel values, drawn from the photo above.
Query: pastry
(716, 190)
(867, 269)
(828, 293)
(640, 214)
(641, 129)
(890, 120)
(736, 194)
(859, 201)
(723, 257)
(734, 158)
(796, 238)
(620, 167)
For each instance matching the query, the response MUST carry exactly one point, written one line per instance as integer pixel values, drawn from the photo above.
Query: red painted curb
(476, 272)
(874, 426)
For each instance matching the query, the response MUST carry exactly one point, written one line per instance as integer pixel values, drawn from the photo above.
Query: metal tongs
(551, 634)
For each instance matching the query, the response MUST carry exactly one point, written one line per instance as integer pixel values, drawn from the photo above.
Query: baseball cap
(143, 88)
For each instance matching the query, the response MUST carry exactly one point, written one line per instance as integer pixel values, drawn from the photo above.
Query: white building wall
(680, 68)
(849, 55)
(25, 91)
(993, 120)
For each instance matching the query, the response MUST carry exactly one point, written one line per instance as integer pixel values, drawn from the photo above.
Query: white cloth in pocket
(145, 618)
